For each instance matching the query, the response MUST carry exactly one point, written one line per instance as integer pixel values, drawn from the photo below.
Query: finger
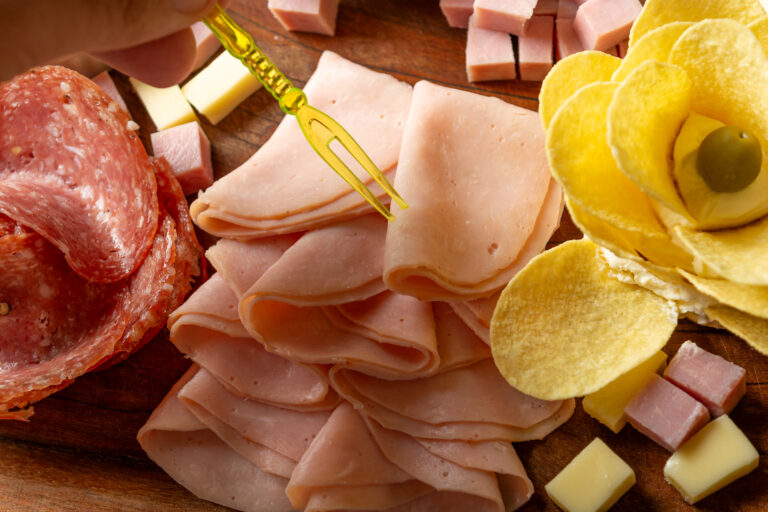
(33, 32)
(162, 62)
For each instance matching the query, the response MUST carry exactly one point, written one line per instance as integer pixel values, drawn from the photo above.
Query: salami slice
(58, 325)
(72, 170)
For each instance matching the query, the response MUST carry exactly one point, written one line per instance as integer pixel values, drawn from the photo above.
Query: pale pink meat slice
(707, 377)
(287, 179)
(457, 12)
(207, 329)
(601, 24)
(457, 344)
(489, 54)
(471, 403)
(198, 460)
(509, 16)
(206, 44)
(318, 16)
(535, 48)
(468, 217)
(666, 413)
(362, 478)
(187, 150)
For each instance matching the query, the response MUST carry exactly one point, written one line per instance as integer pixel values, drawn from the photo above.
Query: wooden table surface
(80, 453)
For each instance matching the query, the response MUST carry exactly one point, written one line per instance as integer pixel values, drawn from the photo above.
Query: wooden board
(80, 453)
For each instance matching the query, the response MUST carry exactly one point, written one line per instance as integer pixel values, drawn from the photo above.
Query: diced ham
(602, 24)
(613, 50)
(457, 12)
(568, 41)
(546, 8)
(566, 9)
(285, 186)
(459, 239)
(510, 16)
(665, 413)
(317, 16)
(104, 81)
(187, 150)
(201, 462)
(489, 54)
(623, 46)
(710, 379)
(206, 44)
(536, 48)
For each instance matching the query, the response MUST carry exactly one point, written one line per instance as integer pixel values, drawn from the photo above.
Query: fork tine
(319, 137)
(345, 139)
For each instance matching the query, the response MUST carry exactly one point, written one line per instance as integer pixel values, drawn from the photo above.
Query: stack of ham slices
(96, 243)
(342, 362)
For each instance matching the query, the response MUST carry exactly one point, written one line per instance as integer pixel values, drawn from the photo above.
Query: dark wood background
(80, 453)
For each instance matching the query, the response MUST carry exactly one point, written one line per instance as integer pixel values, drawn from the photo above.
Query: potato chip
(563, 327)
(728, 76)
(655, 45)
(737, 254)
(581, 161)
(656, 13)
(759, 27)
(571, 74)
(646, 113)
(746, 298)
(751, 329)
(600, 232)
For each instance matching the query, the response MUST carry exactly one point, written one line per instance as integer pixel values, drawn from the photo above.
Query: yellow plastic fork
(318, 128)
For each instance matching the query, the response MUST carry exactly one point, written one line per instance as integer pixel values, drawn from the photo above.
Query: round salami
(72, 170)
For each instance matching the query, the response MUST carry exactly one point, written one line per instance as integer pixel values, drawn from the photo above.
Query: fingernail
(190, 6)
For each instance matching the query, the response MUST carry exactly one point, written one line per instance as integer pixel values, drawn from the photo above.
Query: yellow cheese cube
(607, 404)
(717, 455)
(593, 481)
(167, 107)
(220, 87)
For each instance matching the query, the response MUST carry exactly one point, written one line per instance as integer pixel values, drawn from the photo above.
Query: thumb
(34, 32)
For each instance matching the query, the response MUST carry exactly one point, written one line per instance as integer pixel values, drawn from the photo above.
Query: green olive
(729, 159)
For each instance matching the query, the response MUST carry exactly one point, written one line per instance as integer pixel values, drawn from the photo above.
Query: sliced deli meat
(468, 218)
(73, 171)
(285, 186)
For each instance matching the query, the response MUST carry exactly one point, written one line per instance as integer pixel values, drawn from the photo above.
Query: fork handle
(240, 44)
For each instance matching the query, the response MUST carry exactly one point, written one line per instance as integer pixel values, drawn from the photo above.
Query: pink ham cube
(665, 413)
(318, 16)
(567, 41)
(104, 81)
(188, 152)
(510, 16)
(536, 48)
(545, 8)
(206, 43)
(613, 50)
(567, 9)
(710, 379)
(457, 12)
(601, 24)
(623, 47)
(489, 55)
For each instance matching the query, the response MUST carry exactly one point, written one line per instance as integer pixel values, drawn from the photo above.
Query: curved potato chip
(746, 298)
(646, 113)
(571, 74)
(600, 232)
(563, 327)
(737, 254)
(656, 13)
(751, 329)
(759, 27)
(581, 160)
(728, 76)
(655, 45)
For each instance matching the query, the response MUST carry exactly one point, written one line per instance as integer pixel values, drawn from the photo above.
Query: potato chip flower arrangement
(662, 159)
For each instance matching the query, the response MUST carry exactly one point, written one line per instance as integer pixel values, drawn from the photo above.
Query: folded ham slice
(468, 218)
(285, 186)
(196, 458)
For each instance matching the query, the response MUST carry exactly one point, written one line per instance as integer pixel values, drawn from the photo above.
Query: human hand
(147, 39)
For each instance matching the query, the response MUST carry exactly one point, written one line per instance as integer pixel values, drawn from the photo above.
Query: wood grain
(80, 453)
